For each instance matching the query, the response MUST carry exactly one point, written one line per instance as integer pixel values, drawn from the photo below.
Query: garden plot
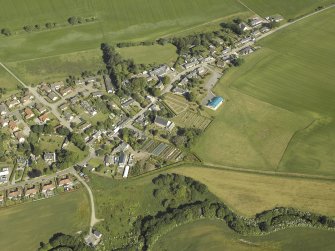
(191, 119)
(177, 104)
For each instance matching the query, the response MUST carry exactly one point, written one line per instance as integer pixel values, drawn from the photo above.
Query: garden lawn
(25, 226)
(213, 235)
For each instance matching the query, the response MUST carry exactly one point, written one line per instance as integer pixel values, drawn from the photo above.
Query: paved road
(39, 98)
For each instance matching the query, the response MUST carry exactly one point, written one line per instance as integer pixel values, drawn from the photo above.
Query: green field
(249, 193)
(25, 226)
(288, 9)
(116, 21)
(57, 68)
(154, 54)
(214, 235)
(6, 80)
(273, 100)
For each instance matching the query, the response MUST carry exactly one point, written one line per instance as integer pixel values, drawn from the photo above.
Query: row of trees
(79, 20)
(37, 27)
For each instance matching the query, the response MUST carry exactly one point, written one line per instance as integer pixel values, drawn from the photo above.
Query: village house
(97, 94)
(4, 122)
(179, 91)
(1, 199)
(45, 88)
(160, 71)
(48, 188)
(74, 100)
(40, 108)
(64, 107)
(13, 126)
(44, 118)
(57, 85)
(201, 71)
(79, 82)
(27, 98)
(244, 27)
(65, 182)
(90, 80)
(49, 158)
(160, 86)
(31, 192)
(68, 116)
(3, 109)
(123, 159)
(28, 113)
(255, 21)
(256, 33)
(109, 160)
(275, 18)
(127, 103)
(4, 175)
(108, 84)
(14, 194)
(161, 122)
(53, 96)
(65, 91)
(247, 50)
(264, 29)
(19, 137)
(190, 64)
(12, 103)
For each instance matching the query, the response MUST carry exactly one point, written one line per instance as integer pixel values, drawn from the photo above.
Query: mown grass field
(214, 235)
(273, 100)
(249, 194)
(25, 226)
(288, 9)
(154, 54)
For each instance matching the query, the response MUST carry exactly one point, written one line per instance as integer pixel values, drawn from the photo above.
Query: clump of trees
(185, 137)
(119, 69)
(79, 20)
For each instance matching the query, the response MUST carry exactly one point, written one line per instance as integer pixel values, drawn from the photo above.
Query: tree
(190, 96)
(72, 20)
(28, 28)
(34, 173)
(37, 26)
(6, 32)
(50, 25)
(237, 61)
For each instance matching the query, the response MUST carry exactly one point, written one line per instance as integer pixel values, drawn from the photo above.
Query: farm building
(125, 172)
(215, 103)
